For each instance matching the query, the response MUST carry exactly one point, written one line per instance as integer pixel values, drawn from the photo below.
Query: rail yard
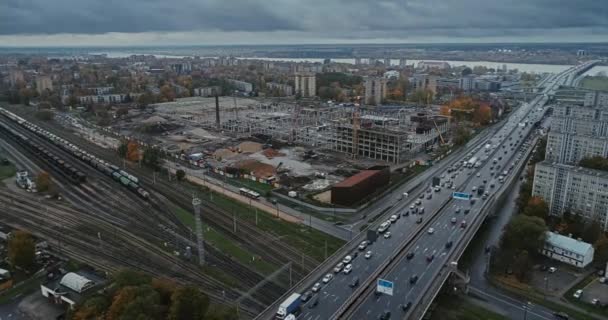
(136, 228)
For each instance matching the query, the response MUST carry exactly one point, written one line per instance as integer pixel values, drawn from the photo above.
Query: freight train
(110, 170)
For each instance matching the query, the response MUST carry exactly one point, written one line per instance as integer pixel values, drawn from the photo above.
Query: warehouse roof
(570, 244)
(76, 282)
(353, 180)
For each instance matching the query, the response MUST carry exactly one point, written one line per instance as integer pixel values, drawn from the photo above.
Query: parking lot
(552, 283)
(595, 290)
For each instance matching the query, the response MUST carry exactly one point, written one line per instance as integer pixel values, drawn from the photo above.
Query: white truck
(289, 306)
(471, 162)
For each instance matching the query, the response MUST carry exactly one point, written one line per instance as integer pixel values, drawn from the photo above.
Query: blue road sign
(461, 195)
(385, 286)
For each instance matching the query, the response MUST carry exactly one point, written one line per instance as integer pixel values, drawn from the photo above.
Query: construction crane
(428, 105)
(356, 125)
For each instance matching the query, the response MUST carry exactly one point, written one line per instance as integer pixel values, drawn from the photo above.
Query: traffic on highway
(414, 241)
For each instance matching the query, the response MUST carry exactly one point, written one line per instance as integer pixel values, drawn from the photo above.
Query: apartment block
(375, 90)
(596, 99)
(306, 84)
(570, 188)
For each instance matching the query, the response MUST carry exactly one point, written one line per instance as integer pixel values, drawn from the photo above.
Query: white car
(578, 294)
(368, 254)
(393, 218)
(316, 287)
(363, 245)
(552, 269)
(348, 269)
(478, 175)
(431, 231)
(453, 220)
(347, 260)
(387, 235)
(338, 267)
(328, 278)
(595, 302)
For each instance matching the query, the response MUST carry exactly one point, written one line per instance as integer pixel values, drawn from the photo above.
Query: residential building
(596, 99)
(570, 188)
(306, 84)
(387, 62)
(467, 83)
(423, 81)
(577, 132)
(567, 250)
(44, 83)
(357, 61)
(107, 98)
(581, 53)
(241, 85)
(182, 68)
(402, 62)
(15, 76)
(207, 91)
(101, 90)
(283, 89)
(429, 65)
(375, 90)
(391, 74)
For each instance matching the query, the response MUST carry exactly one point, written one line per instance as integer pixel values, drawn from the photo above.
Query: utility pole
(196, 202)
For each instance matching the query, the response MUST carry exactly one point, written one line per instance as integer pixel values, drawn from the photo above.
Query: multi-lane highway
(413, 256)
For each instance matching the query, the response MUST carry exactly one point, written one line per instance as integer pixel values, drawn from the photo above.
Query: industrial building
(567, 250)
(306, 84)
(375, 90)
(596, 99)
(359, 186)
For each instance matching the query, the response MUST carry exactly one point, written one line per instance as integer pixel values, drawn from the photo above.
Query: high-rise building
(306, 84)
(357, 61)
(423, 81)
(577, 132)
(596, 99)
(387, 62)
(571, 188)
(375, 90)
(402, 62)
(44, 83)
(467, 83)
(15, 76)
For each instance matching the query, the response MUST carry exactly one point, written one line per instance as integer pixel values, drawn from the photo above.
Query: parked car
(387, 235)
(552, 269)
(431, 231)
(338, 267)
(368, 254)
(328, 278)
(578, 294)
(316, 287)
(348, 269)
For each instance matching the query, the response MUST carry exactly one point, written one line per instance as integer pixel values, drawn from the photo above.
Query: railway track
(91, 195)
(251, 237)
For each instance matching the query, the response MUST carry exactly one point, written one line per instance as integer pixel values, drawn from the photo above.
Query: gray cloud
(347, 19)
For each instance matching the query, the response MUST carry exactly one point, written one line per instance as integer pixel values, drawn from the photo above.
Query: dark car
(410, 255)
(561, 315)
(448, 244)
(406, 307)
(306, 296)
(406, 213)
(313, 303)
(354, 282)
(385, 315)
(419, 220)
(466, 211)
(430, 258)
(413, 279)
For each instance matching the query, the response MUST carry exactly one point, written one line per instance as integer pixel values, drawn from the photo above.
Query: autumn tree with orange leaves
(132, 151)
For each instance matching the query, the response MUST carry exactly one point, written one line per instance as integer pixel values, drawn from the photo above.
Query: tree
(122, 111)
(166, 93)
(524, 233)
(537, 207)
(21, 250)
(597, 162)
(482, 114)
(92, 308)
(188, 303)
(525, 193)
(44, 115)
(165, 288)
(43, 181)
(592, 231)
(135, 302)
(151, 158)
(132, 151)
(129, 277)
(461, 136)
(180, 174)
(422, 96)
(522, 266)
(601, 250)
(123, 149)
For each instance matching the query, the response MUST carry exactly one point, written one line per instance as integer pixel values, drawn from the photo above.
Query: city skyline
(183, 22)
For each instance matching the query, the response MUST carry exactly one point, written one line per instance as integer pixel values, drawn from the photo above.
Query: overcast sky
(166, 22)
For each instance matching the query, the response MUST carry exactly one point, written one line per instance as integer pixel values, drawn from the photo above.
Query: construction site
(302, 144)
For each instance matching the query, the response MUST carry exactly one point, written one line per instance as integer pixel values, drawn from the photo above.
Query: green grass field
(456, 308)
(595, 83)
(7, 171)
(226, 245)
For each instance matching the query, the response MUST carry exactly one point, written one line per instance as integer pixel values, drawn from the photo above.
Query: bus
(249, 193)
